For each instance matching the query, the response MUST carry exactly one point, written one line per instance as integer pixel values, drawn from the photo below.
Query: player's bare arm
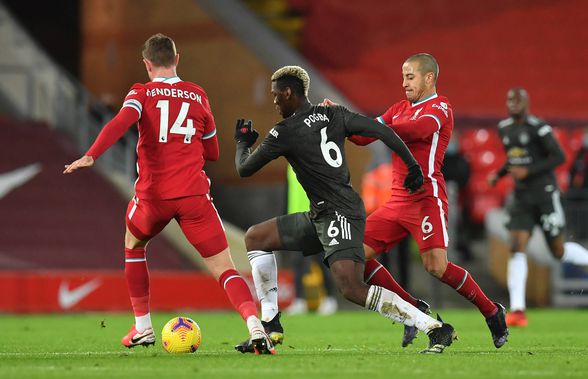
(84, 162)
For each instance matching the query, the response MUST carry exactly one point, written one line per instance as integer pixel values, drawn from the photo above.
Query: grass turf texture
(346, 345)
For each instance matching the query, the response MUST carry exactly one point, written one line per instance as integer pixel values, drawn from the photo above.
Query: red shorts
(196, 216)
(425, 220)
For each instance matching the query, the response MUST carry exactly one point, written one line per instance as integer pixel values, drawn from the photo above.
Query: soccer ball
(181, 335)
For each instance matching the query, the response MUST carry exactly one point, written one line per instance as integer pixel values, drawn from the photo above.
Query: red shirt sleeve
(129, 114)
(427, 123)
(211, 151)
(210, 125)
(112, 131)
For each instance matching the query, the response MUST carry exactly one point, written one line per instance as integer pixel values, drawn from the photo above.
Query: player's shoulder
(535, 121)
(329, 111)
(539, 125)
(193, 86)
(136, 89)
(505, 123)
(279, 130)
(441, 101)
(439, 105)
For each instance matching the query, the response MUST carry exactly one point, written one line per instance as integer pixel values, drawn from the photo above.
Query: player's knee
(253, 238)
(435, 268)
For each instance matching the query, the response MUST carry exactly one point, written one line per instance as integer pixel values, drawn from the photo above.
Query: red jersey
(174, 118)
(426, 128)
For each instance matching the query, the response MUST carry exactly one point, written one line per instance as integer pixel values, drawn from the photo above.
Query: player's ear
(288, 93)
(177, 58)
(148, 66)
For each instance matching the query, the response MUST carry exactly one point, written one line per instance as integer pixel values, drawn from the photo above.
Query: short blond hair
(294, 72)
(160, 50)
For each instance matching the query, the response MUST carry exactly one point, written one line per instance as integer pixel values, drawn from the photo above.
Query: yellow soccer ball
(181, 335)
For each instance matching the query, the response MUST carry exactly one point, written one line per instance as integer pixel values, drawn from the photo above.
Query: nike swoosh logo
(16, 178)
(68, 298)
(426, 237)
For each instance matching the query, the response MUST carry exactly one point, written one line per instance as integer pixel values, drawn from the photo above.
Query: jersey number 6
(187, 131)
(327, 147)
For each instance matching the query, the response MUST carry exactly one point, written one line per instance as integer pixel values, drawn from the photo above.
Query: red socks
(376, 274)
(137, 277)
(238, 293)
(461, 280)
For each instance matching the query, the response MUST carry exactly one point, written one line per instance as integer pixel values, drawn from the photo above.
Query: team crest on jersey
(442, 106)
(416, 114)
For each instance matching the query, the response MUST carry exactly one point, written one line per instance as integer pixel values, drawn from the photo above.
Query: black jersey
(531, 144)
(312, 140)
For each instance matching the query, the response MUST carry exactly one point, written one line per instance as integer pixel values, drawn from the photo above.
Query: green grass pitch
(347, 345)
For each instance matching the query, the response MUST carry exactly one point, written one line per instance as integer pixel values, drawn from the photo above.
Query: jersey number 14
(187, 131)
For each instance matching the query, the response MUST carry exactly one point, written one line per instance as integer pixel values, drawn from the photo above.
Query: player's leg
(348, 276)
(203, 228)
(382, 232)
(430, 233)
(516, 278)
(293, 232)
(144, 219)
(553, 223)
(521, 220)
(261, 240)
(342, 241)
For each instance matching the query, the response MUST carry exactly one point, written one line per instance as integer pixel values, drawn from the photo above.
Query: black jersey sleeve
(273, 146)
(555, 155)
(357, 124)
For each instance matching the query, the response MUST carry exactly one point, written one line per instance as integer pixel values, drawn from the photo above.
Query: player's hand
(244, 132)
(518, 172)
(84, 162)
(327, 103)
(414, 179)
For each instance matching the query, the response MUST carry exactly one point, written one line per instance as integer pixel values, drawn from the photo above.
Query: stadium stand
(42, 226)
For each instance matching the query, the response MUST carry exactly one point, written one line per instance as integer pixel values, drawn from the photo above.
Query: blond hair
(296, 72)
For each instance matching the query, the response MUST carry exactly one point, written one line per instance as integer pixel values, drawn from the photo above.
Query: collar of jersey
(304, 107)
(433, 96)
(168, 80)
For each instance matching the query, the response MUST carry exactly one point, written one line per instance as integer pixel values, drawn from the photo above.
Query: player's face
(282, 100)
(517, 102)
(414, 82)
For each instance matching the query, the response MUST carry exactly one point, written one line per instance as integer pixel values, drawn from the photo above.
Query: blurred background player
(424, 122)
(312, 139)
(532, 155)
(177, 134)
(297, 201)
